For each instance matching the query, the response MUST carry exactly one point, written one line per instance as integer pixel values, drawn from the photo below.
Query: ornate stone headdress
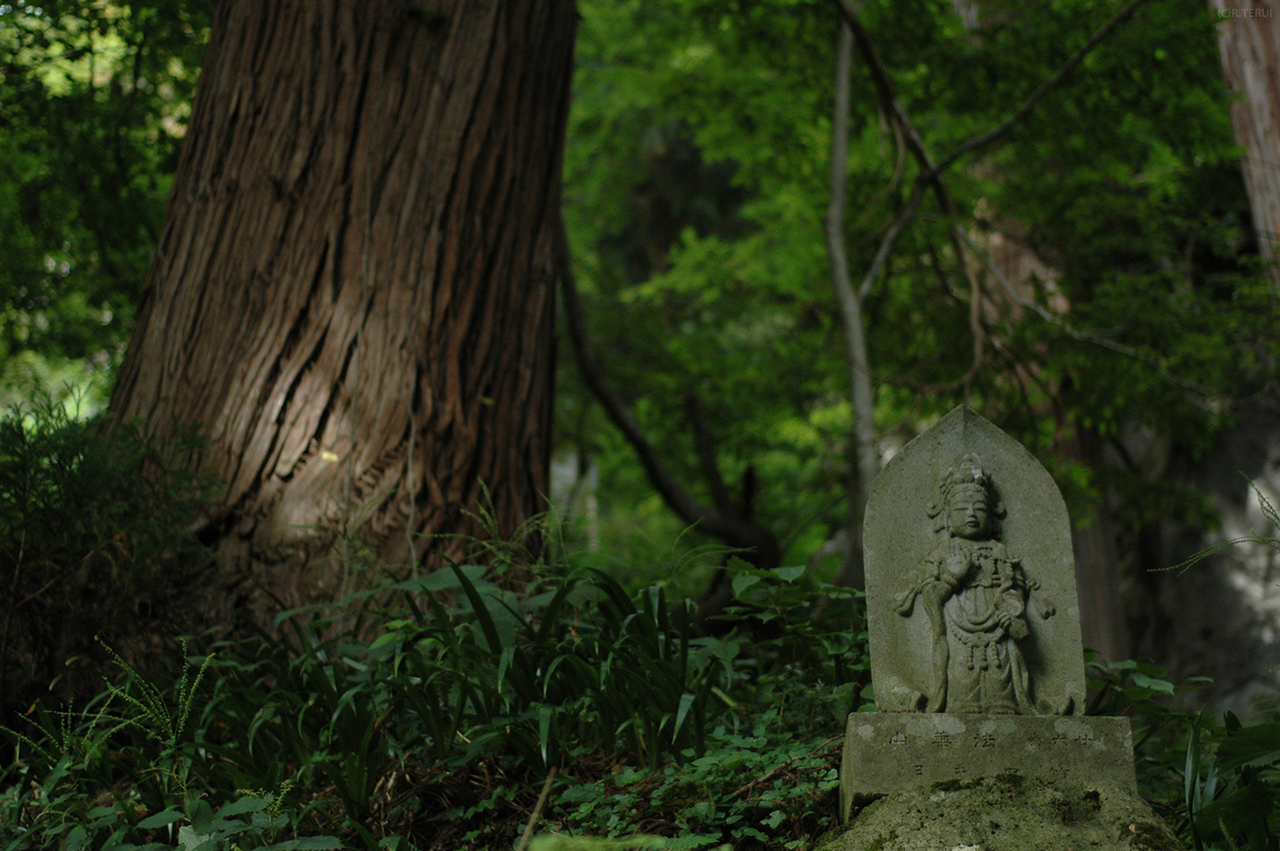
(966, 472)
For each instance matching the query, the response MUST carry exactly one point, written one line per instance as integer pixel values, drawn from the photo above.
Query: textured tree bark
(353, 293)
(1103, 625)
(1249, 40)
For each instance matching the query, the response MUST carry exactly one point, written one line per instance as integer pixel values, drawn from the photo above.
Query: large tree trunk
(1249, 39)
(353, 294)
(1103, 625)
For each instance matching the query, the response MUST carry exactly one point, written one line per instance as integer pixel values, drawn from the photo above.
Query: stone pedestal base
(1006, 813)
(890, 751)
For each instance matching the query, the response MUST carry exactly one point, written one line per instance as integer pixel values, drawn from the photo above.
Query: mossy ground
(1006, 813)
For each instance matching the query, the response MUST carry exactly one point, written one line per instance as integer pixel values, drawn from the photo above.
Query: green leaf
(546, 717)
(192, 840)
(1255, 745)
(201, 816)
(161, 819)
(742, 582)
(245, 804)
(308, 843)
(480, 610)
(1162, 686)
(77, 839)
(686, 703)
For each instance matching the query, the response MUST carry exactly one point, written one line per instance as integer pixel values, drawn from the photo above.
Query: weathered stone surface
(974, 627)
(971, 600)
(1006, 813)
(887, 752)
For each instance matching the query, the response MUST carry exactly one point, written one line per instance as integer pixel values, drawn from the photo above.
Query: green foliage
(444, 702)
(93, 103)
(580, 665)
(1219, 783)
(449, 677)
(1142, 692)
(93, 536)
(1231, 773)
(693, 298)
(590, 843)
(696, 181)
(765, 786)
(1231, 777)
(138, 731)
(1268, 511)
(793, 638)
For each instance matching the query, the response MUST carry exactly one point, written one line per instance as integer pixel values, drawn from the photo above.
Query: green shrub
(428, 713)
(581, 665)
(445, 722)
(762, 783)
(1230, 772)
(95, 541)
(132, 772)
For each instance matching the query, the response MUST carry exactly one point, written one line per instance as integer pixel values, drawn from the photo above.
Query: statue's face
(968, 514)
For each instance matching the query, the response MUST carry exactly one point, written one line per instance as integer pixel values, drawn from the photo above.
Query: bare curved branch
(736, 531)
(1083, 336)
(1044, 88)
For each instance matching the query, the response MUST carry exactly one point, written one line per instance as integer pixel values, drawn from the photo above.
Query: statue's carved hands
(957, 563)
(1011, 622)
(1004, 619)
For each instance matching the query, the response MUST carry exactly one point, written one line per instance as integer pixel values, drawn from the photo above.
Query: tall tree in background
(352, 294)
(1118, 193)
(1249, 39)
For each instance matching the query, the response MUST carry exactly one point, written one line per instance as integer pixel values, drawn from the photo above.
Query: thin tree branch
(833, 222)
(930, 174)
(935, 264)
(733, 530)
(906, 214)
(827, 747)
(1044, 88)
(975, 305)
(893, 108)
(1071, 331)
(537, 811)
(899, 166)
(706, 449)
(884, 86)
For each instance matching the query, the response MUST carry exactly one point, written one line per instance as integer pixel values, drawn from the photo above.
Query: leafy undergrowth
(96, 540)
(432, 726)
(451, 712)
(763, 788)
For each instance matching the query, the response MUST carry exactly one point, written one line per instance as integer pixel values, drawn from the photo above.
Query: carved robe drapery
(986, 672)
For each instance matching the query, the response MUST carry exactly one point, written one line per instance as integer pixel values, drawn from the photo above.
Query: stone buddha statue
(975, 596)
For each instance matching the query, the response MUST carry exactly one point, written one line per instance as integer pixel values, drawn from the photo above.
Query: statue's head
(968, 505)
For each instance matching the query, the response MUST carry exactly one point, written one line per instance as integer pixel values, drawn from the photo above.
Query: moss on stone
(1151, 836)
(879, 843)
(1006, 813)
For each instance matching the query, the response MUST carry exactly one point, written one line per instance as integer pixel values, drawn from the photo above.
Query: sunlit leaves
(92, 109)
(1122, 187)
